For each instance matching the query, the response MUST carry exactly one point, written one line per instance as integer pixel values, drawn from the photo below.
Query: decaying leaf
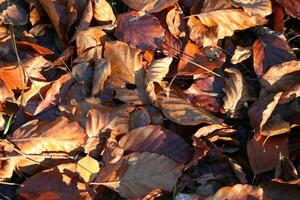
(103, 12)
(291, 7)
(241, 54)
(174, 19)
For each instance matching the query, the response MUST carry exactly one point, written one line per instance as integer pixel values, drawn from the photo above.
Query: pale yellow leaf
(88, 168)
(103, 12)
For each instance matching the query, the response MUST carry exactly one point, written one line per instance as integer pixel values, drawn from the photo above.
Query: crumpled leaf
(140, 30)
(254, 7)
(241, 54)
(38, 137)
(236, 93)
(156, 72)
(175, 22)
(13, 14)
(87, 168)
(60, 182)
(264, 153)
(226, 21)
(141, 173)
(103, 12)
(179, 110)
(269, 50)
(149, 6)
(154, 139)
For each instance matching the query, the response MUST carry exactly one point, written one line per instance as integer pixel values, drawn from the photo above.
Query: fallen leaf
(149, 6)
(156, 72)
(198, 61)
(179, 110)
(239, 191)
(87, 168)
(38, 138)
(140, 30)
(101, 72)
(139, 118)
(264, 153)
(60, 182)
(241, 54)
(155, 139)
(236, 93)
(254, 7)
(175, 22)
(89, 44)
(269, 50)
(279, 189)
(13, 14)
(103, 12)
(143, 173)
(290, 7)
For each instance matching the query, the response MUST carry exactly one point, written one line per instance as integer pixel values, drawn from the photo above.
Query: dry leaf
(241, 54)
(179, 110)
(254, 7)
(239, 192)
(154, 139)
(87, 168)
(269, 50)
(60, 182)
(140, 30)
(89, 44)
(264, 153)
(236, 93)
(103, 12)
(156, 72)
(291, 7)
(101, 72)
(139, 118)
(37, 138)
(141, 173)
(226, 21)
(198, 61)
(149, 6)
(13, 14)
(175, 22)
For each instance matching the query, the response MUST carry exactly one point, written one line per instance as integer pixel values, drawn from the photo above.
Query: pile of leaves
(149, 99)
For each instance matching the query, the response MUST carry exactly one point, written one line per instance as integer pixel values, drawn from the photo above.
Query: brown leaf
(291, 7)
(156, 72)
(141, 173)
(264, 153)
(241, 54)
(154, 139)
(6, 94)
(236, 93)
(140, 30)
(226, 21)
(54, 95)
(103, 12)
(101, 72)
(37, 48)
(179, 110)
(126, 70)
(139, 118)
(269, 50)
(198, 61)
(89, 44)
(254, 7)
(38, 137)
(175, 22)
(149, 6)
(278, 189)
(279, 76)
(239, 192)
(60, 182)
(206, 92)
